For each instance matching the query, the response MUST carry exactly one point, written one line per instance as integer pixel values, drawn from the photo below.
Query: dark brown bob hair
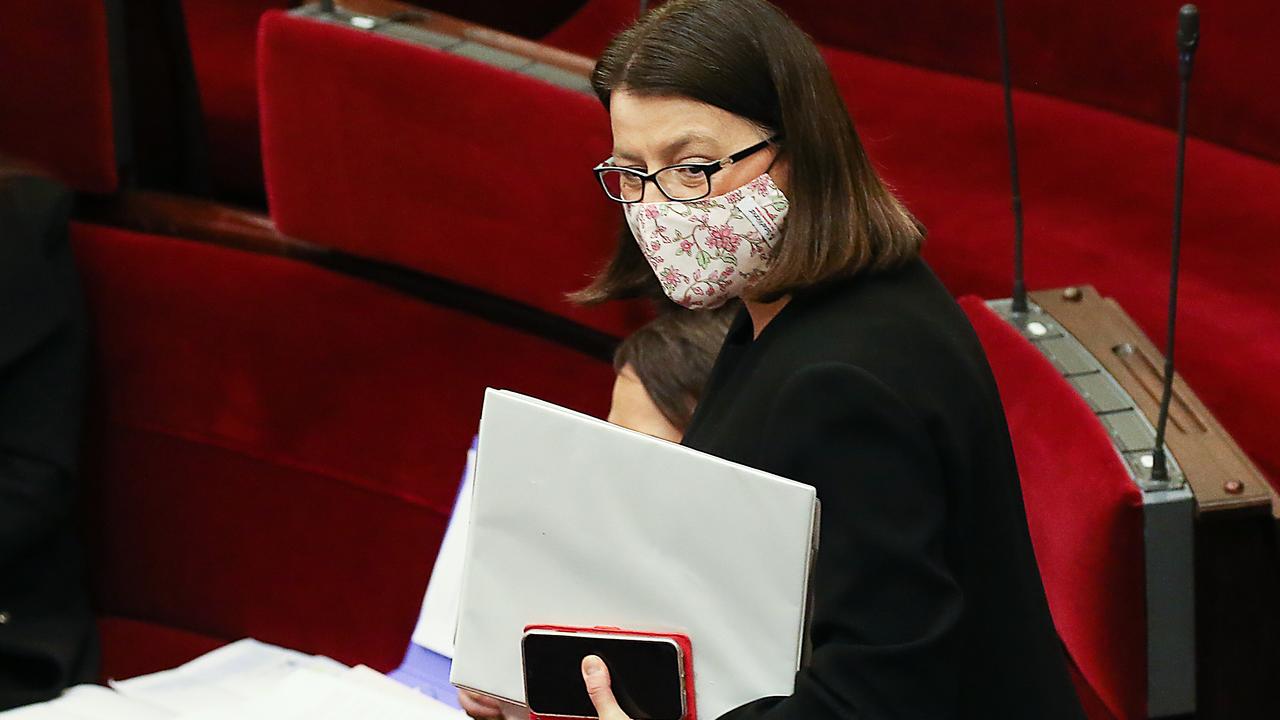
(672, 356)
(747, 57)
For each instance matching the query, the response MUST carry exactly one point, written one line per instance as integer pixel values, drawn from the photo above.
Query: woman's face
(632, 408)
(654, 131)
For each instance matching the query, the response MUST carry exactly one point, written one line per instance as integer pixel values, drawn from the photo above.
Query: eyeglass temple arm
(747, 152)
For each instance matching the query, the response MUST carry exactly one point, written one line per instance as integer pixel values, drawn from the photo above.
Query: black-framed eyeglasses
(684, 182)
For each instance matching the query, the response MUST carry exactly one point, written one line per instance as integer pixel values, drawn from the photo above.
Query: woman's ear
(780, 171)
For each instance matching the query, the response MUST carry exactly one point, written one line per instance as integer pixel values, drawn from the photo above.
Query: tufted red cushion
(438, 162)
(274, 449)
(1084, 513)
(55, 98)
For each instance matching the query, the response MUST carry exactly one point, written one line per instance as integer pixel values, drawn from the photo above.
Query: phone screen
(645, 672)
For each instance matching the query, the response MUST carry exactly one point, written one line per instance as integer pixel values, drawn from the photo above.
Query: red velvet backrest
(222, 36)
(1116, 56)
(55, 91)
(275, 449)
(1098, 193)
(437, 162)
(590, 29)
(1084, 512)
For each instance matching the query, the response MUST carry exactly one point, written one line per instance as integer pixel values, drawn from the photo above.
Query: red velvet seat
(1085, 517)
(274, 448)
(441, 163)
(221, 35)
(1115, 56)
(133, 647)
(56, 106)
(590, 29)
(1098, 192)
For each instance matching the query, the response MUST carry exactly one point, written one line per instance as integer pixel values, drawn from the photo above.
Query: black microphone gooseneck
(1188, 38)
(1019, 287)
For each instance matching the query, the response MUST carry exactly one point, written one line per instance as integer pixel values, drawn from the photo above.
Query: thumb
(596, 676)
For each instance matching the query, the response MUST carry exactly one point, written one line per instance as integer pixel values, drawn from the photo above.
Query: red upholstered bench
(55, 108)
(1097, 185)
(1085, 517)
(1098, 190)
(274, 448)
(135, 647)
(220, 34)
(438, 162)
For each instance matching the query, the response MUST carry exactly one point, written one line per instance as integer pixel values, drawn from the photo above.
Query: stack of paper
(246, 680)
(426, 663)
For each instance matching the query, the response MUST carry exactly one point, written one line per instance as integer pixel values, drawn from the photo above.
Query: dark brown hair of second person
(672, 356)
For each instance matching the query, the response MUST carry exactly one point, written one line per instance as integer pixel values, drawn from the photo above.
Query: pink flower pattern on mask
(720, 246)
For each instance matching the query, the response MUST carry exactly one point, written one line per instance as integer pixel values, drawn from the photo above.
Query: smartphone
(648, 672)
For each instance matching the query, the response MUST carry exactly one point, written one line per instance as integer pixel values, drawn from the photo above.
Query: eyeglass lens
(677, 183)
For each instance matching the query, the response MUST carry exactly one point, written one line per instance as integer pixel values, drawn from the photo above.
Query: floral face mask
(707, 251)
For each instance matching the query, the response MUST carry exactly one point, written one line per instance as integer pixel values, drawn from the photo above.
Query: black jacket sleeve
(886, 608)
(47, 638)
(42, 364)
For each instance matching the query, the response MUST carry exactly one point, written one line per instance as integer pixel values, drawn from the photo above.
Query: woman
(849, 368)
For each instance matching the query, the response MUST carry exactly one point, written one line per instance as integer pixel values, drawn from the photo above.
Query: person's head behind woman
(696, 81)
(662, 369)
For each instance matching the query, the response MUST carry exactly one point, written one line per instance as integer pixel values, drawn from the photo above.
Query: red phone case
(686, 648)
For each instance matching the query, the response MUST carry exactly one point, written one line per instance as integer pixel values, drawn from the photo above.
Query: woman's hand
(479, 706)
(596, 676)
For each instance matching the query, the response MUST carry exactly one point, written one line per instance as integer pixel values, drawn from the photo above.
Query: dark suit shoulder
(901, 328)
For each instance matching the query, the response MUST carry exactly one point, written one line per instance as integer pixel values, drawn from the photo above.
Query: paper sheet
(308, 694)
(223, 679)
(247, 680)
(439, 615)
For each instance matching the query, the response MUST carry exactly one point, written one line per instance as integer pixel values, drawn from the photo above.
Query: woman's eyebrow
(623, 156)
(687, 139)
(682, 142)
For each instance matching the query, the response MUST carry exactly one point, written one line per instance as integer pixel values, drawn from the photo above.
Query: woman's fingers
(478, 706)
(596, 676)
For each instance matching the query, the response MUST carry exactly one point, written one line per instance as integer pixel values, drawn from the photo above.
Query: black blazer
(47, 638)
(927, 600)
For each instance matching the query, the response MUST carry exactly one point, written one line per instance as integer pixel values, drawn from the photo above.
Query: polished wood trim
(1209, 457)
(208, 222)
(193, 219)
(447, 25)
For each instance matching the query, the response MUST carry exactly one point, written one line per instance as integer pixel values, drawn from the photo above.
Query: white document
(247, 680)
(428, 707)
(581, 523)
(223, 679)
(439, 615)
(310, 694)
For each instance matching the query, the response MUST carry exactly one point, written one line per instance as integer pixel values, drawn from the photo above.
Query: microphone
(1188, 39)
(326, 7)
(1019, 287)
